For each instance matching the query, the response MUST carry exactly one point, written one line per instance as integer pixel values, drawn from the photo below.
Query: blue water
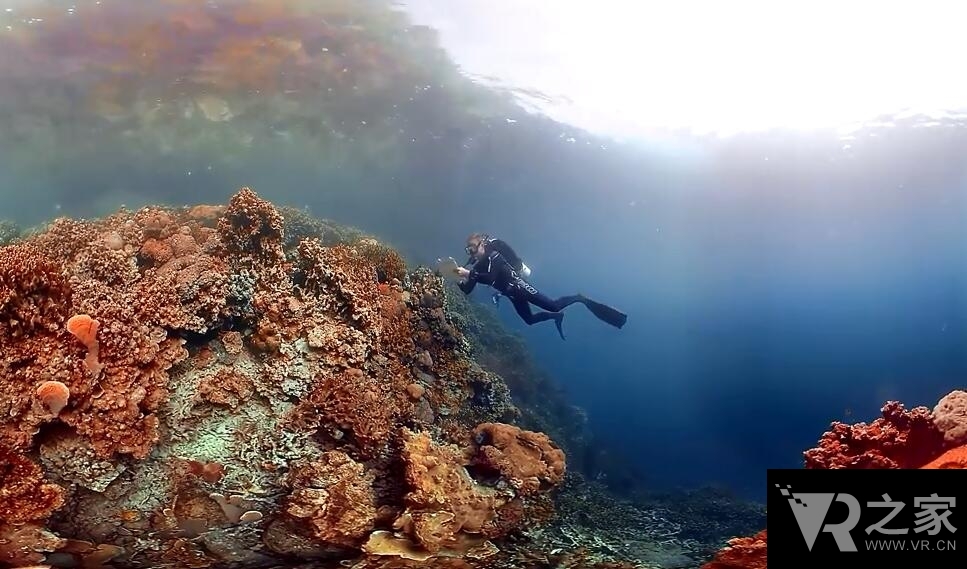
(775, 283)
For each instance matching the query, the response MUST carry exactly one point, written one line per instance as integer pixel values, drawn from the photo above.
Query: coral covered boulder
(530, 461)
(950, 416)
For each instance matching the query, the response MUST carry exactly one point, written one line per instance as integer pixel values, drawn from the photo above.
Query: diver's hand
(463, 272)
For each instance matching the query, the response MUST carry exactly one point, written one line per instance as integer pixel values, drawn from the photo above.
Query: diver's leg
(523, 308)
(554, 305)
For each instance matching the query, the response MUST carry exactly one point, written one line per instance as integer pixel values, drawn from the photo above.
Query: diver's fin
(558, 321)
(606, 313)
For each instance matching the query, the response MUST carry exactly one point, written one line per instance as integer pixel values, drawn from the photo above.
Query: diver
(492, 262)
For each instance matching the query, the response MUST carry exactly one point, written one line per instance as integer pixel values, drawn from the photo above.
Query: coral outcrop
(901, 438)
(741, 553)
(950, 416)
(231, 385)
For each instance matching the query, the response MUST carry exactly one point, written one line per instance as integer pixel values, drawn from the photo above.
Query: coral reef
(242, 385)
(199, 389)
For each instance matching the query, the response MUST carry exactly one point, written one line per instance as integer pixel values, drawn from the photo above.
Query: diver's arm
(481, 268)
(469, 279)
(467, 285)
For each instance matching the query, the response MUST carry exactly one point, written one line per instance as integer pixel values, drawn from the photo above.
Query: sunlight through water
(629, 68)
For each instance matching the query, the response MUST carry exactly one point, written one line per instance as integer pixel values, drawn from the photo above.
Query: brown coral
(227, 387)
(252, 227)
(335, 496)
(345, 279)
(34, 295)
(363, 409)
(443, 501)
(526, 459)
(24, 496)
(26, 501)
(950, 416)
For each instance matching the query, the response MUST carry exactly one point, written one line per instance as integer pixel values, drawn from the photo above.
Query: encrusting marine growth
(228, 386)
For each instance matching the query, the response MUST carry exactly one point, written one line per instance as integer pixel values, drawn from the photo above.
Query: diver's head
(476, 245)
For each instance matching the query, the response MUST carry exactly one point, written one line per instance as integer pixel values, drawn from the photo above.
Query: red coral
(24, 496)
(900, 439)
(741, 553)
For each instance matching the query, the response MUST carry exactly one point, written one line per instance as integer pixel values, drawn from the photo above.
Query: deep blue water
(768, 297)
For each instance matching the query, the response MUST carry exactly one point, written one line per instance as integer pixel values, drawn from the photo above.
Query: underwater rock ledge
(228, 386)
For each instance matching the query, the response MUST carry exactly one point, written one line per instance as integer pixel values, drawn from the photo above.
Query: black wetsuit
(500, 268)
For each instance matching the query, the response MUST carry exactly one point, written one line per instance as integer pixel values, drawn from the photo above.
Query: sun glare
(625, 67)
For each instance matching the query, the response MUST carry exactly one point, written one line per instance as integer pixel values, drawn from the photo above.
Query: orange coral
(741, 553)
(900, 439)
(444, 501)
(54, 395)
(955, 458)
(84, 328)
